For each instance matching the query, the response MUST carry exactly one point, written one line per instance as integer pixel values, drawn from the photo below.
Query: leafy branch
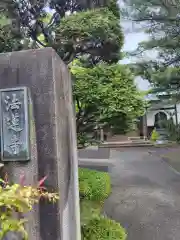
(17, 199)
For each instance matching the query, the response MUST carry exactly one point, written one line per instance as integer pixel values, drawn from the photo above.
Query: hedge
(94, 188)
(94, 185)
(89, 210)
(102, 228)
(154, 135)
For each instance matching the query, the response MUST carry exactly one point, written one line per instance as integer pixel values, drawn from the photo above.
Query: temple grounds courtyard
(145, 194)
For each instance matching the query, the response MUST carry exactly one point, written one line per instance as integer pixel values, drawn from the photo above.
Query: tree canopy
(105, 96)
(65, 26)
(87, 35)
(94, 32)
(161, 22)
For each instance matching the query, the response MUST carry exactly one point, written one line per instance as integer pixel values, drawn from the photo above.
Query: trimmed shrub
(94, 185)
(89, 210)
(154, 135)
(102, 228)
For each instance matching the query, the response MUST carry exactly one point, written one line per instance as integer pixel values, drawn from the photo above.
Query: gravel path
(145, 196)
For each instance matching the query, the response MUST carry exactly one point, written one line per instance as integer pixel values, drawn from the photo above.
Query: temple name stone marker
(53, 147)
(14, 118)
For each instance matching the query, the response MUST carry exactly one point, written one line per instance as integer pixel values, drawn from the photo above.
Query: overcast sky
(133, 36)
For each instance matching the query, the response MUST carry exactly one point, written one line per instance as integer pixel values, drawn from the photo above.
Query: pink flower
(41, 182)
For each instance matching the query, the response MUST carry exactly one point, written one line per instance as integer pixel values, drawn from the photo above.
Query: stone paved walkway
(145, 196)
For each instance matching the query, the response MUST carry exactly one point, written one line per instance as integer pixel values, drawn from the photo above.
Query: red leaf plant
(42, 191)
(39, 185)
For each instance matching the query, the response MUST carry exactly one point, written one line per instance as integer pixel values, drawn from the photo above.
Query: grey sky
(133, 36)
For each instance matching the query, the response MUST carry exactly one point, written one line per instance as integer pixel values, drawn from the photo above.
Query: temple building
(157, 112)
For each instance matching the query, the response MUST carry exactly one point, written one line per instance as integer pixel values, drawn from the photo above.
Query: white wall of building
(151, 115)
(178, 112)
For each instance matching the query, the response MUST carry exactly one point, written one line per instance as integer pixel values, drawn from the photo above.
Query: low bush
(94, 185)
(102, 228)
(89, 210)
(154, 135)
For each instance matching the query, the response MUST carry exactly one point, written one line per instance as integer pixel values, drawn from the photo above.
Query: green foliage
(86, 30)
(105, 95)
(94, 35)
(83, 140)
(89, 25)
(172, 130)
(96, 32)
(94, 188)
(162, 26)
(114, 7)
(167, 81)
(94, 185)
(9, 40)
(17, 199)
(154, 135)
(89, 210)
(102, 228)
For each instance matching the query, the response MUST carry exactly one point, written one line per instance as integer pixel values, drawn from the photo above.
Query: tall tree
(96, 33)
(94, 36)
(161, 22)
(66, 28)
(105, 96)
(8, 40)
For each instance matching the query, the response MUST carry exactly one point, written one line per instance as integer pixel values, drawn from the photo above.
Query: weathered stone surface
(56, 156)
(102, 165)
(100, 153)
(95, 159)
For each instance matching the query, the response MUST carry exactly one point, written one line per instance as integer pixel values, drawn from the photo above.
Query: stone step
(128, 142)
(102, 165)
(94, 153)
(125, 144)
(137, 139)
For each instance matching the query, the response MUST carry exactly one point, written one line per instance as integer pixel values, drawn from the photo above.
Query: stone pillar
(101, 134)
(144, 120)
(53, 152)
